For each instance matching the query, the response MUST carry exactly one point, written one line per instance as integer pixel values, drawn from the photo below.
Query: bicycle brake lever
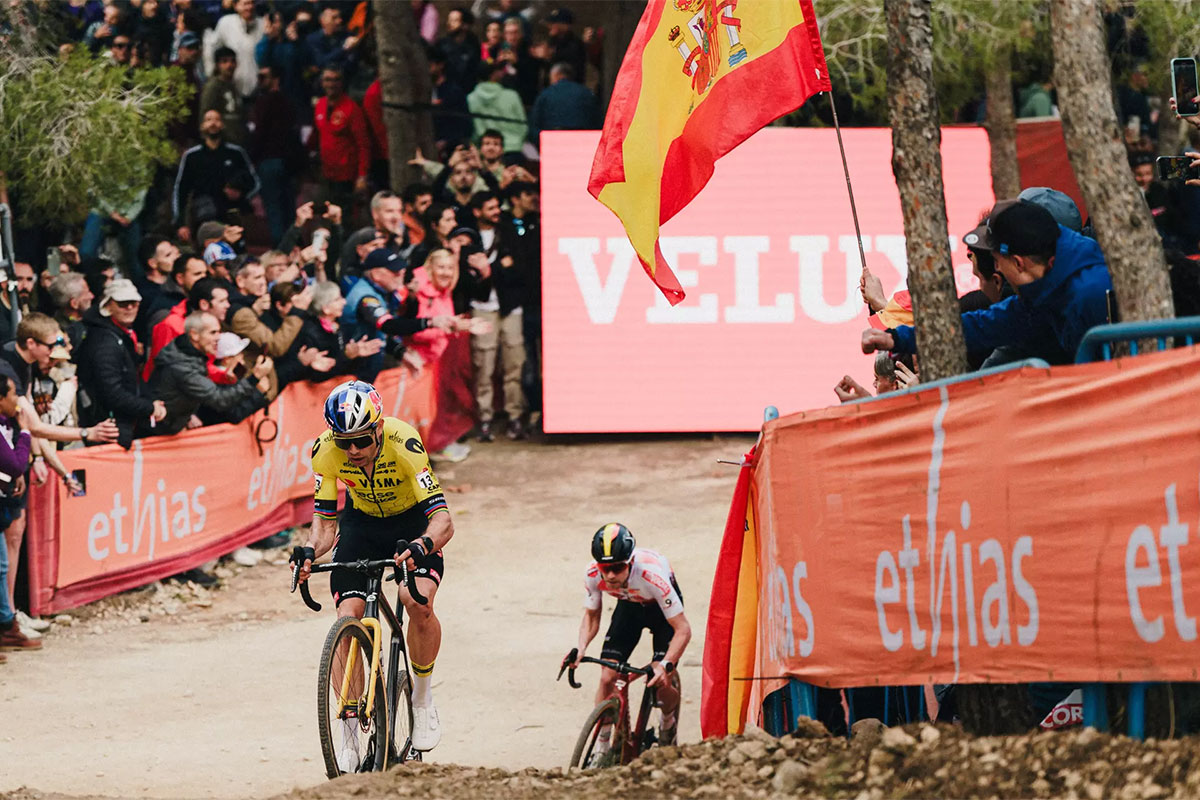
(295, 578)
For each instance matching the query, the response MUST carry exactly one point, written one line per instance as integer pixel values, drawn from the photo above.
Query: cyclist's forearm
(322, 535)
(440, 530)
(588, 628)
(679, 642)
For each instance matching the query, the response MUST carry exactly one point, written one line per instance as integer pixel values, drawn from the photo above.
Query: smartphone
(1185, 86)
(1175, 168)
(80, 475)
(53, 260)
(320, 238)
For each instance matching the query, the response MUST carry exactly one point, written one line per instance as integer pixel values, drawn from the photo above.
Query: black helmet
(613, 544)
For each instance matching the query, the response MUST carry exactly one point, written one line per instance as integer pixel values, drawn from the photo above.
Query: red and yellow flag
(699, 78)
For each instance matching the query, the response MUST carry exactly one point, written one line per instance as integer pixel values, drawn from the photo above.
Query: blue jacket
(1047, 318)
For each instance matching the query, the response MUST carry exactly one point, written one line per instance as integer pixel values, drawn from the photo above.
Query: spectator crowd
(276, 250)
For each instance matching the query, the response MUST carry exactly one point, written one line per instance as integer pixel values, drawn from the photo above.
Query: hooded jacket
(109, 382)
(499, 108)
(1046, 318)
(430, 343)
(182, 382)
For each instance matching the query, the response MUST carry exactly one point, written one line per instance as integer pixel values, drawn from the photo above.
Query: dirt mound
(915, 761)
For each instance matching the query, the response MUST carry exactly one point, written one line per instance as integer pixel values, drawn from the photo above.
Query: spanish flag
(699, 78)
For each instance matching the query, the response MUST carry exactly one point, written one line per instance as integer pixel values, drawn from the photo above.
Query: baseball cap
(212, 229)
(218, 251)
(230, 344)
(118, 290)
(1060, 205)
(382, 257)
(561, 15)
(465, 231)
(1015, 228)
(189, 39)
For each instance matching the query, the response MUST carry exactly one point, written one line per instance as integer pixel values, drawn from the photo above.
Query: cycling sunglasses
(366, 440)
(613, 569)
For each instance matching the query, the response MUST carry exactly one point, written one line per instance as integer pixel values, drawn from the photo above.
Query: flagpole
(862, 255)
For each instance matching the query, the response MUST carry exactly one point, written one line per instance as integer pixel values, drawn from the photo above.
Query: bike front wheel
(602, 740)
(354, 737)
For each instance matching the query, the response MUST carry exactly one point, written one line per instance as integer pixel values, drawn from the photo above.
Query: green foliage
(1172, 30)
(79, 130)
(967, 35)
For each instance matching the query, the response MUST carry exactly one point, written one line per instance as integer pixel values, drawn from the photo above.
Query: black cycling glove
(301, 554)
(415, 548)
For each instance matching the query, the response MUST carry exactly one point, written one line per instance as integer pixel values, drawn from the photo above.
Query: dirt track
(219, 701)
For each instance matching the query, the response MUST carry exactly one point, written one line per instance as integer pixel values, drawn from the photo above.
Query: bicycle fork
(373, 627)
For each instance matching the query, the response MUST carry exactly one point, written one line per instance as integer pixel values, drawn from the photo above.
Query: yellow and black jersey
(402, 479)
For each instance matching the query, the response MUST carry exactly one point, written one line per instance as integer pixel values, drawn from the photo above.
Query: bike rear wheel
(401, 716)
(352, 740)
(590, 749)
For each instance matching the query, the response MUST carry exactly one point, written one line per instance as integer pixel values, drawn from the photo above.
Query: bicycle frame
(376, 601)
(635, 743)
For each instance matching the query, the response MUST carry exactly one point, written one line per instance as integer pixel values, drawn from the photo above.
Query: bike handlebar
(617, 666)
(402, 575)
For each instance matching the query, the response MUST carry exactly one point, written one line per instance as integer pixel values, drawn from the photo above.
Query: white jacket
(232, 32)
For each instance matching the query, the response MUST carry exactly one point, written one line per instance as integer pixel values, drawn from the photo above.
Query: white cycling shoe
(347, 760)
(427, 728)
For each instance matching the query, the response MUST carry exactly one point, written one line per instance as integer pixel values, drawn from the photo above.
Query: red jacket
(373, 110)
(163, 334)
(345, 145)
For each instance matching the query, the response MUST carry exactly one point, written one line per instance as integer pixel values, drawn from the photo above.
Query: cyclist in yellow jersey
(394, 506)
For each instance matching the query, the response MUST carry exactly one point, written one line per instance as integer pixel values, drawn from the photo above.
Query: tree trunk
(621, 19)
(917, 165)
(1096, 147)
(1002, 126)
(407, 90)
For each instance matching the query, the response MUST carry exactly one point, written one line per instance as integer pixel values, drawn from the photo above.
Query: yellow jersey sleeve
(403, 443)
(325, 460)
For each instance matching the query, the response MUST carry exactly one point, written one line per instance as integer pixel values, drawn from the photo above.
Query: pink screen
(768, 258)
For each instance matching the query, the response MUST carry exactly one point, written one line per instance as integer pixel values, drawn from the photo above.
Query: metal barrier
(782, 707)
(1097, 345)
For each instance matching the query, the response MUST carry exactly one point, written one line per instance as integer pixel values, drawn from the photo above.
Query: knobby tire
(605, 713)
(375, 759)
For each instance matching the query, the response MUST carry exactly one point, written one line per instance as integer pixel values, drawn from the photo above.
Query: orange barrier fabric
(1036, 525)
(174, 502)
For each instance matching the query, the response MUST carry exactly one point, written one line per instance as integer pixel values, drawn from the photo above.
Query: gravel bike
(365, 721)
(611, 716)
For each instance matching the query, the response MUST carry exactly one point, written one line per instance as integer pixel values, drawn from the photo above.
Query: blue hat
(218, 251)
(189, 39)
(1060, 205)
(382, 257)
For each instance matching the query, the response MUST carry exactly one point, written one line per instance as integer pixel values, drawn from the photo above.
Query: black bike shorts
(363, 536)
(629, 619)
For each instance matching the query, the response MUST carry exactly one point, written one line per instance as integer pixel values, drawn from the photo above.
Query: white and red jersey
(650, 581)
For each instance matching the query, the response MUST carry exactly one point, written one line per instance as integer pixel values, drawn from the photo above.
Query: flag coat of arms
(699, 78)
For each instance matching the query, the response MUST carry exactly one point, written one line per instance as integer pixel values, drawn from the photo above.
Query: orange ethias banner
(169, 500)
(1036, 525)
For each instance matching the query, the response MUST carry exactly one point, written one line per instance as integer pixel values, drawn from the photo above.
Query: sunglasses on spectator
(360, 442)
(126, 304)
(59, 342)
(120, 45)
(613, 569)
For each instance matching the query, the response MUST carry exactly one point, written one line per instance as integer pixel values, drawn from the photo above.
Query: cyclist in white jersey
(647, 597)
